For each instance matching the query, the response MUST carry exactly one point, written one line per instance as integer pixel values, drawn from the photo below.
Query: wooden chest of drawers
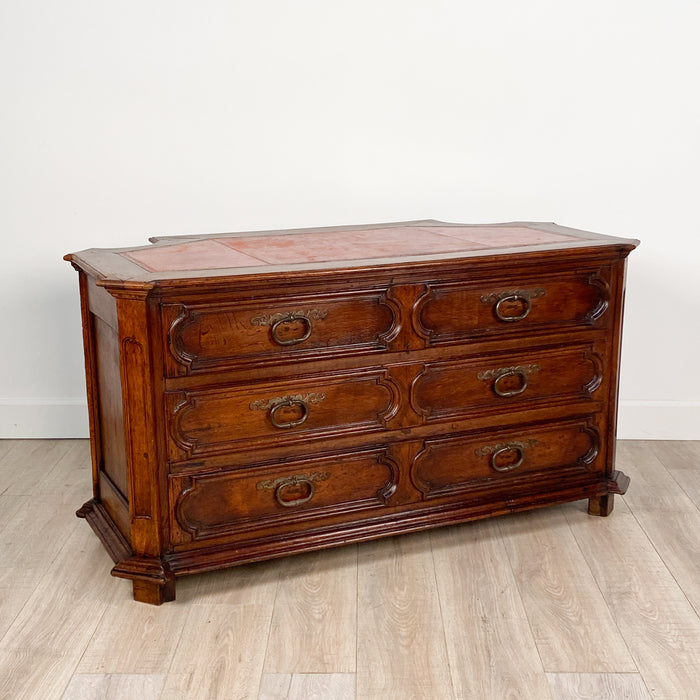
(259, 394)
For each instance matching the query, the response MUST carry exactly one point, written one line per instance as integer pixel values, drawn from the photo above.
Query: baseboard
(43, 418)
(659, 420)
(67, 418)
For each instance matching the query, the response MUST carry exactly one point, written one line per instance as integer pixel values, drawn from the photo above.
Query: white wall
(129, 119)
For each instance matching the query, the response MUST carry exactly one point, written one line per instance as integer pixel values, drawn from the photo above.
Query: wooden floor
(553, 604)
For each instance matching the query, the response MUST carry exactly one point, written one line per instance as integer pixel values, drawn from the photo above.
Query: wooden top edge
(113, 269)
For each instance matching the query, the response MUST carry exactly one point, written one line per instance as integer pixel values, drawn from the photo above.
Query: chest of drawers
(254, 395)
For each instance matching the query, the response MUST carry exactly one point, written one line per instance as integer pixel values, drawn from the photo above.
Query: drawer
(517, 304)
(508, 381)
(526, 456)
(212, 504)
(214, 420)
(203, 337)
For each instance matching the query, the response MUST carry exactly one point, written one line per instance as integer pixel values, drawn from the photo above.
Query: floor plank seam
(504, 549)
(663, 561)
(269, 631)
(599, 588)
(442, 615)
(611, 608)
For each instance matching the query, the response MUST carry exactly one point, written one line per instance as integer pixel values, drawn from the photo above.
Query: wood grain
(681, 460)
(221, 652)
(307, 686)
(660, 627)
(676, 537)
(586, 686)
(238, 585)
(437, 616)
(114, 687)
(314, 620)
(401, 648)
(490, 646)
(654, 488)
(570, 620)
(334, 392)
(44, 522)
(41, 648)
(27, 462)
(135, 639)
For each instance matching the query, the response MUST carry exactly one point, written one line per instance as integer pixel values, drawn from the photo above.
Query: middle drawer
(508, 381)
(214, 420)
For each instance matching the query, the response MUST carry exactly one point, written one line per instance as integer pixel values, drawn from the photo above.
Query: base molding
(153, 578)
(103, 526)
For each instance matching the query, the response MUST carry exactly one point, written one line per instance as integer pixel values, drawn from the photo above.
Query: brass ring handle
(279, 402)
(292, 423)
(275, 320)
(505, 393)
(278, 485)
(512, 297)
(523, 295)
(509, 467)
(295, 481)
(498, 375)
(286, 319)
(496, 450)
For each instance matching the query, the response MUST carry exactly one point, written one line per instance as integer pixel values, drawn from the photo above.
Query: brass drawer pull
(281, 402)
(503, 448)
(522, 295)
(279, 485)
(276, 320)
(500, 374)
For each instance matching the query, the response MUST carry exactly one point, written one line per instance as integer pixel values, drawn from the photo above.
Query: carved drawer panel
(530, 456)
(507, 381)
(205, 337)
(453, 312)
(207, 421)
(206, 505)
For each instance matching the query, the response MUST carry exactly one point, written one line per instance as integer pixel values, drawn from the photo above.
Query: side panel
(110, 483)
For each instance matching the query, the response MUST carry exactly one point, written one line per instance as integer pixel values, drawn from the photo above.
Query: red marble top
(331, 246)
(186, 260)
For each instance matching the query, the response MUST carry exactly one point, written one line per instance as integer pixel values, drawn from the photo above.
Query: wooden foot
(154, 593)
(153, 581)
(601, 505)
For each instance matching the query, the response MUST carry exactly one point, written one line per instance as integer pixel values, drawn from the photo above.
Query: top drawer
(457, 311)
(221, 335)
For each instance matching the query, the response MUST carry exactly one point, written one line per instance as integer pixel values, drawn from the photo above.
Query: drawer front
(508, 381)
(209, 421)
(453, 312)
(528, 456)
(222, 335)
(207, 505)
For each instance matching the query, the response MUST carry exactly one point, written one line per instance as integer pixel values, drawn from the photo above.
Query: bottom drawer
(211, 504)
(533, 456)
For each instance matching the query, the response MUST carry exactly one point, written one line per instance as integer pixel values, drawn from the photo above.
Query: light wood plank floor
(548, 605)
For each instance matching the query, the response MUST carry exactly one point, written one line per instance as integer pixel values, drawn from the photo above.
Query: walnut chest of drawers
(254, 395)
